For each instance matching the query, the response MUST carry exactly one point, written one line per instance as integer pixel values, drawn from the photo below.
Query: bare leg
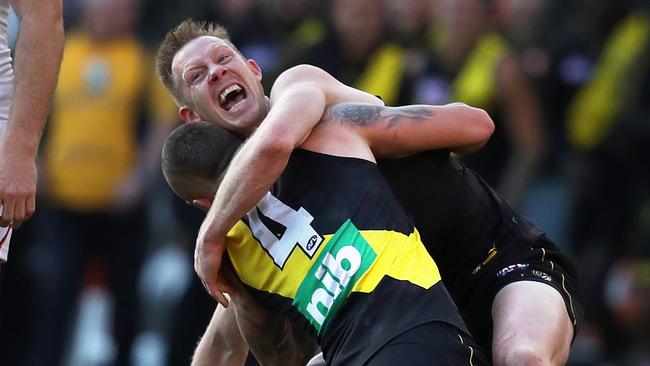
(531, 325)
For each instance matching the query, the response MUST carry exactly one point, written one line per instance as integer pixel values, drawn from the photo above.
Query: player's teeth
(229, 89)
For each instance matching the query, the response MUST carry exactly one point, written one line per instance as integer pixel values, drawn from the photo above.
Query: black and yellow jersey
(331, 247)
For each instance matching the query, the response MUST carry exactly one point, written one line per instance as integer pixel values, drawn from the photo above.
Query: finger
(8, 212)
(30, 206)
(19, 214)
(221, 297)
(214, 291)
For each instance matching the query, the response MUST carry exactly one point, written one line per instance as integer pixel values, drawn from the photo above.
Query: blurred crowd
(102, 274)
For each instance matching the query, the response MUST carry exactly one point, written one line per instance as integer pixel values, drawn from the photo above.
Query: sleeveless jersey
(6, 70)
(331, 247)
(459, 215)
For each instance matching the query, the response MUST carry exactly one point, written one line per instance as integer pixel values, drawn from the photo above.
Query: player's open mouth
(231, 96)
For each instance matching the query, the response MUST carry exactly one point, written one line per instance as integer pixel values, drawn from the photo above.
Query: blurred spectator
(99, 163)
(473, 64)
(552, 51)
(356, 52)
(607, 126)
(408, 27)
(291, 27)
(550, 46)
(274, 33)
(408, 21)
(627, 300)
(158, 16)
(241, 17)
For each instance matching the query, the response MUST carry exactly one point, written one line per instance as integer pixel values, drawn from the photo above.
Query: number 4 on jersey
(298, 229)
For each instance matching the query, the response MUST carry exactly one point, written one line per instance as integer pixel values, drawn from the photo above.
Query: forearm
(250, 176)
(399, 131)
(37, 61)
(222, 344)
(272, 339)
(264, 156)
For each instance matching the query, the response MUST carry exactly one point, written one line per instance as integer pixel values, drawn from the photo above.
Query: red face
(219, 85)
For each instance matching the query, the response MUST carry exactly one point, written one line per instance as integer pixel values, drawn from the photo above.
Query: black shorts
(522, 252)
(433, 343)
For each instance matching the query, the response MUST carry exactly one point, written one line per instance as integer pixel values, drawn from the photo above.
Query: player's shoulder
(304, 70)
(302, 73)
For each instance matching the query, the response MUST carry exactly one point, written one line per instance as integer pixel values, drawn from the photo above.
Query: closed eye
(196, 76)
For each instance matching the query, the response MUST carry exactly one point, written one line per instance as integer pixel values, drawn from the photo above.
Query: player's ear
(187, 115)
(202, 203)
(257, 70)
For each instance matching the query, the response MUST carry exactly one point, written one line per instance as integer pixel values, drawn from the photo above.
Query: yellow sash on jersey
(399, 256)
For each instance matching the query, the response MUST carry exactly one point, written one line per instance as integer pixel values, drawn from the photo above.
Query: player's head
(194, 158)
(210, 79)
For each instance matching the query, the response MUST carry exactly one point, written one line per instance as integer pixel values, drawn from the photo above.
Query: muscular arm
(400, 131)
(271, 337)
(260, 161)
(222, 344)
(37, 61)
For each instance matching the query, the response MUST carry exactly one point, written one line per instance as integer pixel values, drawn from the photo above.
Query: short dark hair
(174, 40)
(198, 151)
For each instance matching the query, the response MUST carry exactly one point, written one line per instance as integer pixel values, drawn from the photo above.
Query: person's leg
(531, 325)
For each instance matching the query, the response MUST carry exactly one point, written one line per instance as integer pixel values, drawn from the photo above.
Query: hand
(207, 262)
(17, 188)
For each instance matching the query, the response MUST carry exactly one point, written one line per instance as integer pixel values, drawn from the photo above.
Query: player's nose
(217, 72)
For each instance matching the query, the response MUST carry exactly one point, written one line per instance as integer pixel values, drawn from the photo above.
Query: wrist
(19, 148)
(18, 153)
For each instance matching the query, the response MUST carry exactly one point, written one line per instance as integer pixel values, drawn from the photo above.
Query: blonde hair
(175, 40)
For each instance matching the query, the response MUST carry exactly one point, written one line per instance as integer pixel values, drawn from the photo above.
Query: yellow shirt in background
(92, 138)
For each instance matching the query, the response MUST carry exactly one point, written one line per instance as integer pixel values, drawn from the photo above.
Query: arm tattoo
(272, 338)
(367, 114)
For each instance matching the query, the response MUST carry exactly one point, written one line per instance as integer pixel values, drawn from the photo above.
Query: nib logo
(345, 259)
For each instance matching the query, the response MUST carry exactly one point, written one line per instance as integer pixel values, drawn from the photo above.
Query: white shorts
(5, 235)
